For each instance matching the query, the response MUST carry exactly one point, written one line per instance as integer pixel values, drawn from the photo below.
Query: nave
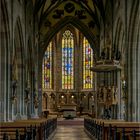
(71, 132)
(54, 128)
(69, 59)
(72, 129)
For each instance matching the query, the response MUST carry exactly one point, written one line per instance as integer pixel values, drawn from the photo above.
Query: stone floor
(75, 121)
(70, 132)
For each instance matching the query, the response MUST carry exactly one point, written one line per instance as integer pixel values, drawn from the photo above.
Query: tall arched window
(47, 68)
(67, 60)
(87, 63)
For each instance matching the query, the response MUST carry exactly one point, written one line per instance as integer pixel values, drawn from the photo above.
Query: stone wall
(122, 27)
(17, 54)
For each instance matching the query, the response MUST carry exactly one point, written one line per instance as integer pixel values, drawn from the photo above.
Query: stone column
(35, 107)
(13, 101)
(138, 79)
(40, 101)
(119, 96)
(19, 100)
(27, 101)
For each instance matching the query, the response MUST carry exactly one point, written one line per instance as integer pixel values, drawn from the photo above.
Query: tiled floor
(67, 132)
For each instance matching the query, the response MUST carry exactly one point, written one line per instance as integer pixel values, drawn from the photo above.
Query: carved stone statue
(109, 95)
(26, 92)
(36, 102)
(14, 87)
(115, 94)
(27, 98)
(103, 54)
(101, 95)
(105, 92)
(107, 113)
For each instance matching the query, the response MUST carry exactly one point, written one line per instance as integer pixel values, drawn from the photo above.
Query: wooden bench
(15, 133)
(121, 128)
(33, 129)
(124, 132)
(112, 129)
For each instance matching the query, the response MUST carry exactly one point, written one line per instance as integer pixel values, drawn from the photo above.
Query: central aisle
(70, 133)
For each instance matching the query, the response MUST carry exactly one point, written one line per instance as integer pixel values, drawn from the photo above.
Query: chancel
(69, 68)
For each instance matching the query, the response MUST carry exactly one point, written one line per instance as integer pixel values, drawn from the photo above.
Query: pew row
(37, 129)
(112, 129)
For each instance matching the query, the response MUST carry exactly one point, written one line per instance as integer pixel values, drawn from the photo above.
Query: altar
(68, 110)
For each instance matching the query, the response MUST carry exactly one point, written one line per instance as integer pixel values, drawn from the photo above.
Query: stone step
(75, 121)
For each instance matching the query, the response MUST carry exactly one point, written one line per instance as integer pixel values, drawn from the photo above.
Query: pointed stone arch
(67, 21)
(18, 41)
(119, 37)
(76, 23)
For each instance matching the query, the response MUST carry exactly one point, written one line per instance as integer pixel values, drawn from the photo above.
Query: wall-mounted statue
(100, 94)
(36, 102)
(115, 94)
(80, 14)
(107, 113)
(14, 87)
(105, 92)
(69, 7)
(109, 95)
(58, 14)
(103, 54)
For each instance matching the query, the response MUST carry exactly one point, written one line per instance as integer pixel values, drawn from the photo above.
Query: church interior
(75, 61)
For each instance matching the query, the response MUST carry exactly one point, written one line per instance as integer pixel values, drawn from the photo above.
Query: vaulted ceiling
(94, 7)
(82, 13)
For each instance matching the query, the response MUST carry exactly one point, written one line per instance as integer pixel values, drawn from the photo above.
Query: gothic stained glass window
(47, 68)
(67, 60)
(87, 63)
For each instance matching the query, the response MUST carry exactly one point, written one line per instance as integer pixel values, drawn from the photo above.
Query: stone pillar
(26, 106)
(13, 102)
(40, 101)
(13, 117)
(48, 101)
(8, 89)
(134, 87)
(138, 80)
(36, 113)
(19, 100)
(119, 96)
(35, 107)
(32, 104)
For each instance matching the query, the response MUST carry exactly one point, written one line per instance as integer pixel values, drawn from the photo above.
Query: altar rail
(28, 130)
(112, 130)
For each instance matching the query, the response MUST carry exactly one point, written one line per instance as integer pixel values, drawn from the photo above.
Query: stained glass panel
(67, 60)
(47, 68)
(87, 63)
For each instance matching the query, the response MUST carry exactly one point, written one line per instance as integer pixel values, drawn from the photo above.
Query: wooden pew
(28, 129)
(112, 129)
(124, 129)
(18, 129)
